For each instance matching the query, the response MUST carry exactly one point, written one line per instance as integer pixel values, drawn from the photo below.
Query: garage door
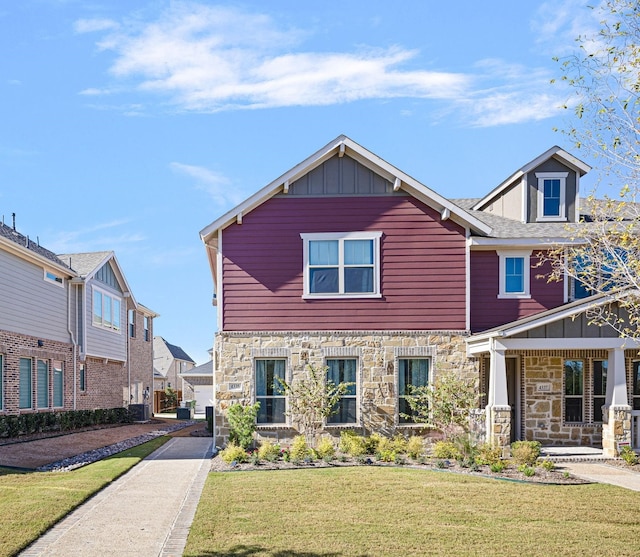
(204, 397)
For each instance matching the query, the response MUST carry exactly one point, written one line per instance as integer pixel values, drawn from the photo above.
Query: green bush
(628, 455)
(269, 451)
(352, 444)
(488, 455)
(400, 443)
(372, 442)
(325, 449)
(445, 449)
(233, 453)
(548, 465)
(415, 447)
(525, 452)
(497, 467)
(242, 423)
(299, 450)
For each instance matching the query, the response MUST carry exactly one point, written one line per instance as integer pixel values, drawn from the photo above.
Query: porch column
(616, 412)
(498, 409)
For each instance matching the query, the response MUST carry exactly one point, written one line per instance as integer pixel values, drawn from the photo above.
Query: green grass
(32, 502)
(399, 512)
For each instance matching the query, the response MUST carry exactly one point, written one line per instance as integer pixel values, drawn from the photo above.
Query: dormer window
(552, 187)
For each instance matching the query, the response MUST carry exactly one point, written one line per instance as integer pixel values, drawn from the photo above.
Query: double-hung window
(635, 380)
(42, 379)
(269, 391)
(413, 373)
(58, 384)
(552, 188)
(342, 265)
(106, 310)
(25, 395)
(574, 391)
(515, 274)
(599, 390)
(343, 371)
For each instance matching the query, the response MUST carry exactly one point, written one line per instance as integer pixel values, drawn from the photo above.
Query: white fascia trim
(571, 343)
(219, 289)
(525, 198)
(483, 243)
(34, 257)
(467, 279)
(555, 151)
(362, 155)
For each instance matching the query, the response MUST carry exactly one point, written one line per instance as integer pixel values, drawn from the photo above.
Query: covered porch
(558, 379)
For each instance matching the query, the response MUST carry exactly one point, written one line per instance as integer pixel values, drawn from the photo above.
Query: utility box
(139, 412)
(209, 415)
(185, 413)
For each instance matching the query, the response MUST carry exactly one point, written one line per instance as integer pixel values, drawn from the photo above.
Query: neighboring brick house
(169, 361)
(347, 262)
(198, 385)
(54, 355)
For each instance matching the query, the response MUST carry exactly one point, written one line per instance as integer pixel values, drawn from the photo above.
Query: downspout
(213, 417)
(74, 343)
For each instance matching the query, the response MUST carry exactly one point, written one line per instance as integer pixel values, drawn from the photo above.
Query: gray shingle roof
(84, 263)
(10, 234)
(177, 352)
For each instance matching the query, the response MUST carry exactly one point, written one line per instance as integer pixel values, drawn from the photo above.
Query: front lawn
(386, 511)
(32, 502)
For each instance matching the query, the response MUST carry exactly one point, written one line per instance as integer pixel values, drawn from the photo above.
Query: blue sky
(130, 125)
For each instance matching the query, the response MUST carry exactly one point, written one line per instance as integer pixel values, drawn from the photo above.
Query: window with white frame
(106, 310)
(551, 195)
(342, 264)
(344, 371)
(413, 373)
(52, 277)
(515, 274)
(269, 391)
(132, 322)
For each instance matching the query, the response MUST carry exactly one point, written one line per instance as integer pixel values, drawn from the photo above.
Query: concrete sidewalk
(147, 512)
(601, 472)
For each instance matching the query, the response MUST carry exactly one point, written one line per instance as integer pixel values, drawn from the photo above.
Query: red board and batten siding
(488, 311)
(422, 267)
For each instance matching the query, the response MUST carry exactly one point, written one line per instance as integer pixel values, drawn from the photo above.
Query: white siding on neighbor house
(103, 342)
(29, 304)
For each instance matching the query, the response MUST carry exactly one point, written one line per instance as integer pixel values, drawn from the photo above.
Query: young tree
(446, 405)
(313, 399)
(603, 255)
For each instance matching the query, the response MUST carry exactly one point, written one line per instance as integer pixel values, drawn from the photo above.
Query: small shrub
(525, 452)
(254, 458)
(325, 449)
(233, 453)
(285, 454)
(269, 451)
(415, 447)
(548, 465)
(242, 423)
(628, 455)
(489, 455)
(445, 449)
(440, 463)
(300, 451)
(467, 448)
(352, 444)
(497, 467)
(372, 442)
(387, 455)
(399, 460)
(527, 470)
(399, 443)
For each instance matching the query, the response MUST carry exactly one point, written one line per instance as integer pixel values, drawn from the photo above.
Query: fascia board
(555, 152)
(362, 155)
(34, 257)
(483, 243)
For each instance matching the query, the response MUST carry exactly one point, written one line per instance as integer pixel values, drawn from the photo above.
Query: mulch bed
(510, 473)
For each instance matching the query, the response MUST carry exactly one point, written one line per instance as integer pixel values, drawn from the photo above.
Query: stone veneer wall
(544, 409)
(377, 354)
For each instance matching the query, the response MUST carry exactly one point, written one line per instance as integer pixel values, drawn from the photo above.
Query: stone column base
(616, 429)
(499, 428)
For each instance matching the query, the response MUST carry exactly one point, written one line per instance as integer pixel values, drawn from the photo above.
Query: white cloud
(207, 59)
(216, 185)
(93, 25)
(104, 236)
